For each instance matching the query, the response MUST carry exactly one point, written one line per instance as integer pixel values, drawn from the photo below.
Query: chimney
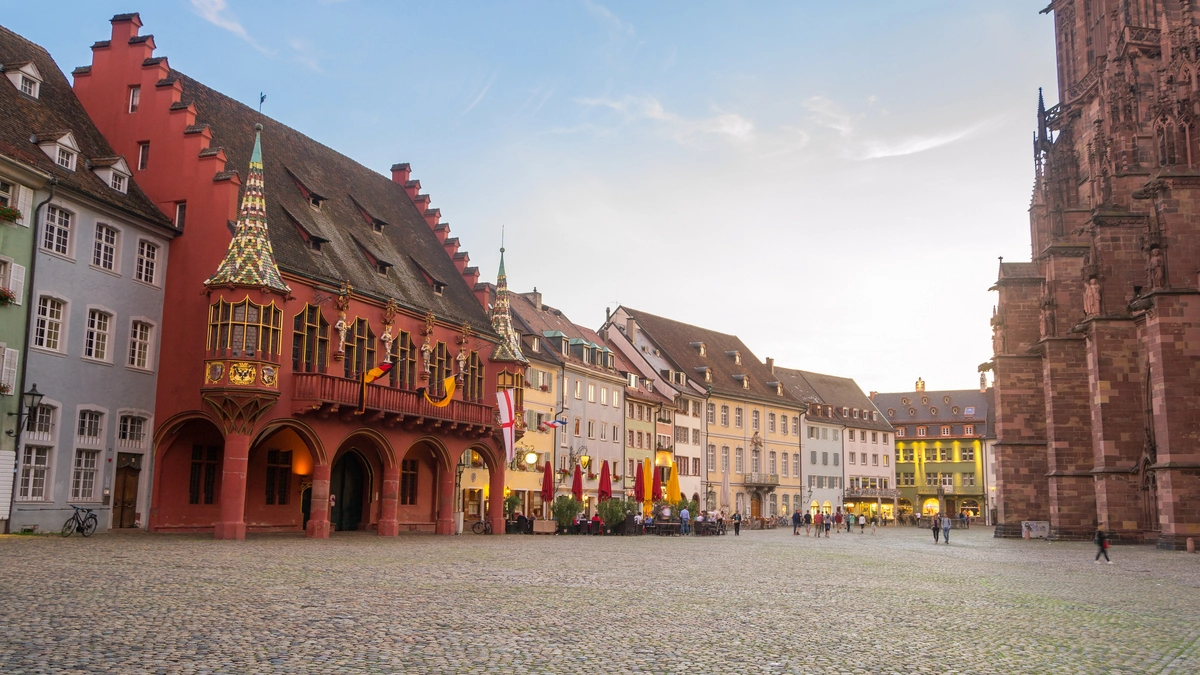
(401, 173)
(607, 315)
(536, 299)
(631, 330)
(872, 395)
(771, 365)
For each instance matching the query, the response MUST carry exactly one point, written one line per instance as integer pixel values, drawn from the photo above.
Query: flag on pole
(554, 424)
(367, 378)
(506, 401)
(448, 385)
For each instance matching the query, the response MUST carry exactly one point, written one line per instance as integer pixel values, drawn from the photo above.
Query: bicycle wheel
(69, 526)
(487, 527)
(478, 527)
(89, 526)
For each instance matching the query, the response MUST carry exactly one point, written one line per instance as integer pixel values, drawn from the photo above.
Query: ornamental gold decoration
(215, 372)
(242, 373)
(270, 376)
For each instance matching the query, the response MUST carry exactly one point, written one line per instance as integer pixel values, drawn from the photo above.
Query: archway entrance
(348, 483)
(755, 506)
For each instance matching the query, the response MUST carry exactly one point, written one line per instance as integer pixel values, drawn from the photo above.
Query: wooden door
(125, 497)
(755, 506)
(346, 489)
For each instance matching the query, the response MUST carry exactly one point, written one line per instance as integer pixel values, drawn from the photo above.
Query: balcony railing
(885, 493)
(761, 479)
(320, 393)
(950, 489)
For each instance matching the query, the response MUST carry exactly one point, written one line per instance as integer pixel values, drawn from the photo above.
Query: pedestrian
(737, 523)
(962, 519)
(685, 517)
(946, 529)
(796, 522)
(808, 521)
(874, 523)
(837, 520)
(818, 523)
(935, 529)
(1101, 541)
(828, 524)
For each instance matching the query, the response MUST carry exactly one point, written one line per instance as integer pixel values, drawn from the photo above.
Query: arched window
(360, 349)
(245, 329)
(473, 378)
(310, 340)
(404, 362)
(1168, 145)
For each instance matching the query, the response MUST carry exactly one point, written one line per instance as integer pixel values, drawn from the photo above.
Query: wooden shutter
(16, 282)
(8, 372)
(25, 204)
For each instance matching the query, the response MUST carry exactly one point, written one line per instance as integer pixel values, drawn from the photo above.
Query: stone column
(318, 504)
(236, 456)
(445, 501)
(496, 498)
(389, 525)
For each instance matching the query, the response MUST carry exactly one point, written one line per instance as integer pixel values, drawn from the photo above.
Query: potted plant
(511, 502)
(5, 390)
(564, 509)
(613, 513)
(7, 296)
(9, 214)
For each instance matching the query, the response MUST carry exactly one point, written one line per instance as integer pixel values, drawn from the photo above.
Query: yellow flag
(448, 384)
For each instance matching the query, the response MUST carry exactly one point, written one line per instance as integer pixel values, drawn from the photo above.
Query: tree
(564, 509)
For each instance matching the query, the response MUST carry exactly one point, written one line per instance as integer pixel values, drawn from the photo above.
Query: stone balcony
(765, 479)
(872, 493)
(325, 395)
(973, 490)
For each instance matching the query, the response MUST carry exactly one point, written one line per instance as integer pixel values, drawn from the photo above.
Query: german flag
(367, 378)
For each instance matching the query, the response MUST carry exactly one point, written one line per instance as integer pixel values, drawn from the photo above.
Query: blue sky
(831, 181)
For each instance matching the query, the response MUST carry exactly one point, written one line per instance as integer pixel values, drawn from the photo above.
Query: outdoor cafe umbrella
(639, 485)
(658, 493)
(725, 492)
(673, 485)
(649, 498)
(604, 492)
(548, 484)
(577, 484)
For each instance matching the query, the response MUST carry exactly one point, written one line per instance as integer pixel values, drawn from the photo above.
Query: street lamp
(29, 401)
(531, 458)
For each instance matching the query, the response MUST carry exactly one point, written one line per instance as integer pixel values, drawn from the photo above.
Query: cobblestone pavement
(764, 602)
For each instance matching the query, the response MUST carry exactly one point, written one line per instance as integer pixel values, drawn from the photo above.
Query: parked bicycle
(82, 521)
(482, 527)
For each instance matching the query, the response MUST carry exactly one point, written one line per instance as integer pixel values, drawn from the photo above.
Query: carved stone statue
(1091, 297)
(1156, 269)
(1048, 327)
(997, 339)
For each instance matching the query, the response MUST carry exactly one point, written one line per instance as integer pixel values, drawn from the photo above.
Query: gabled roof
(548, 320)
(347, 188)
(641, 392)
(676, 338)
(953, 411)
(836, 392)
(49, 118)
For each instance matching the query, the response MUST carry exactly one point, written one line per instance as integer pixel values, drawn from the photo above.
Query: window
(591, 393)
(796, 425)
(408, 482)
(851, 457)
(604, 396)
(712, 413)
(630, 441)
(863, 455)
(908, 479)
(724, 415)
(89, 428)
(920, 431)
(947, 479)
(771, 466)
(135, 97)
(56, 236)
(783, 424)
(771, 422)
(140, 335)
(737, 417)
(146, 259)
(739, 461)
(724, 459)
(143, 155)
(39, 424)
(812, 482)
(279, 472)
(835, 434)
(947, 455)
(885, 439)
(754, 420)
(783, 463)
(836, 458)
(48, 328)
(681, 434)
(820, 481)
(931, 478)
(812, 456)
(711, 456)
(886, 457)
(579, 428)
(874, 436)
(203, 480)
(245, 329)
(310, 342)
(968, 479)
(29, 86)
(966, 453)
(825, 458)
(95, 343)
(34, 462)
(695, 466)
(969, 430)
(900, 433)
(591, 429)
(65, 159)
(83, 479)
(850, 435)
(796, 465)
(874, 460)
(117, 181)
(131, 431)
(180, 214)
(945, 431)
(825, 433)
(755, 461)
(579, 389)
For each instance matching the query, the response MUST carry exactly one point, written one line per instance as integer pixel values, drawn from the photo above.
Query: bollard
(1191, 545)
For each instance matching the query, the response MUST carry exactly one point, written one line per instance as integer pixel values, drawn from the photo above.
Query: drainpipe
(20, 393)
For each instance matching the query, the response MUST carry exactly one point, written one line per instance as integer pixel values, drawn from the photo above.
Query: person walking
(946, 522)
(874, 523)
(828, 524)
(1101, 541)
(818, 523)
(685, 518)
(808, 521)
(862, 523)
(837, 520)
(796, 522)
(935, 528)
(737, 523)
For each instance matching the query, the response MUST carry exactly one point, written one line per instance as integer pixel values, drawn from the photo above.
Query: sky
(833, 182)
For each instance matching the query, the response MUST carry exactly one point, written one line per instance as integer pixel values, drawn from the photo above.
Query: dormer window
(699, 347)
(565, 346)
(633, 380)
(745, 382)
(65, 158)
(25, 77)
(29, 86)
(609, 360)
(118, 182)
(113, 171)
(707, 375)
(378, 225)
(381, 268)
(737, 356)
(535, 345)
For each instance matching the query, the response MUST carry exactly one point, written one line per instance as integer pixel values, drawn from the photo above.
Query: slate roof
(640, 392)
(896, 411)
(548, 320)
(837, 392)
(354, 197)
(675, 338)
(55, 111)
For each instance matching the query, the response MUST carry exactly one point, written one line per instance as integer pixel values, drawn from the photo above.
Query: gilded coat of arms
(242, 373)
(215, 372)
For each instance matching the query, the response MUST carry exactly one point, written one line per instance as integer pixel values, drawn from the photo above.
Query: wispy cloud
(482, 92)
(829, 114)
(216, 13)
(684, 130)
(877, 149)
(606, 15)
(858, 145)
(304, 54)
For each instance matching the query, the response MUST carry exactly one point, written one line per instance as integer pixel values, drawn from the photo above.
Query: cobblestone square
(764, 602)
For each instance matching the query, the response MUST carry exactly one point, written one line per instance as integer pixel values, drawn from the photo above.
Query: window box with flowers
(544, 387)
(564, 472)
(9, 215)
(7, 296)
(5, 390)
(592, 476)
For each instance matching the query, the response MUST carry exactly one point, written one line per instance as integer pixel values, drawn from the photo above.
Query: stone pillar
(1021, 485)
(318, 504)
(496, 498)
(1116, 384)
(389, 525)
(445, 501)
(1070, 459)
(233, 488)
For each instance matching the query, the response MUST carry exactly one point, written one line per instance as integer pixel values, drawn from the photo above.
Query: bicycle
(482, 527)
(82, 521)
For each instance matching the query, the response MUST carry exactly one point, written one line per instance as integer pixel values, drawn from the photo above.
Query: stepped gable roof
(55, 110)
(553, 326)
(676, 338)
(837, 392)
(294, 165)
(969, 406)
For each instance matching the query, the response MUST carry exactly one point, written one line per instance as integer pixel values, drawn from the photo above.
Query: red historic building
(298, 269)
(1097, 339)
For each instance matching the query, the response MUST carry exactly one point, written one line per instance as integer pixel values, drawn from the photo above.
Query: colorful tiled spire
(509, 348)
(250, 260)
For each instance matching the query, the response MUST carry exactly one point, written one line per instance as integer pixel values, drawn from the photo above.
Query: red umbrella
(577, 484)
(604, 492)
(639, 486)
(548, 484)
(657, 494)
